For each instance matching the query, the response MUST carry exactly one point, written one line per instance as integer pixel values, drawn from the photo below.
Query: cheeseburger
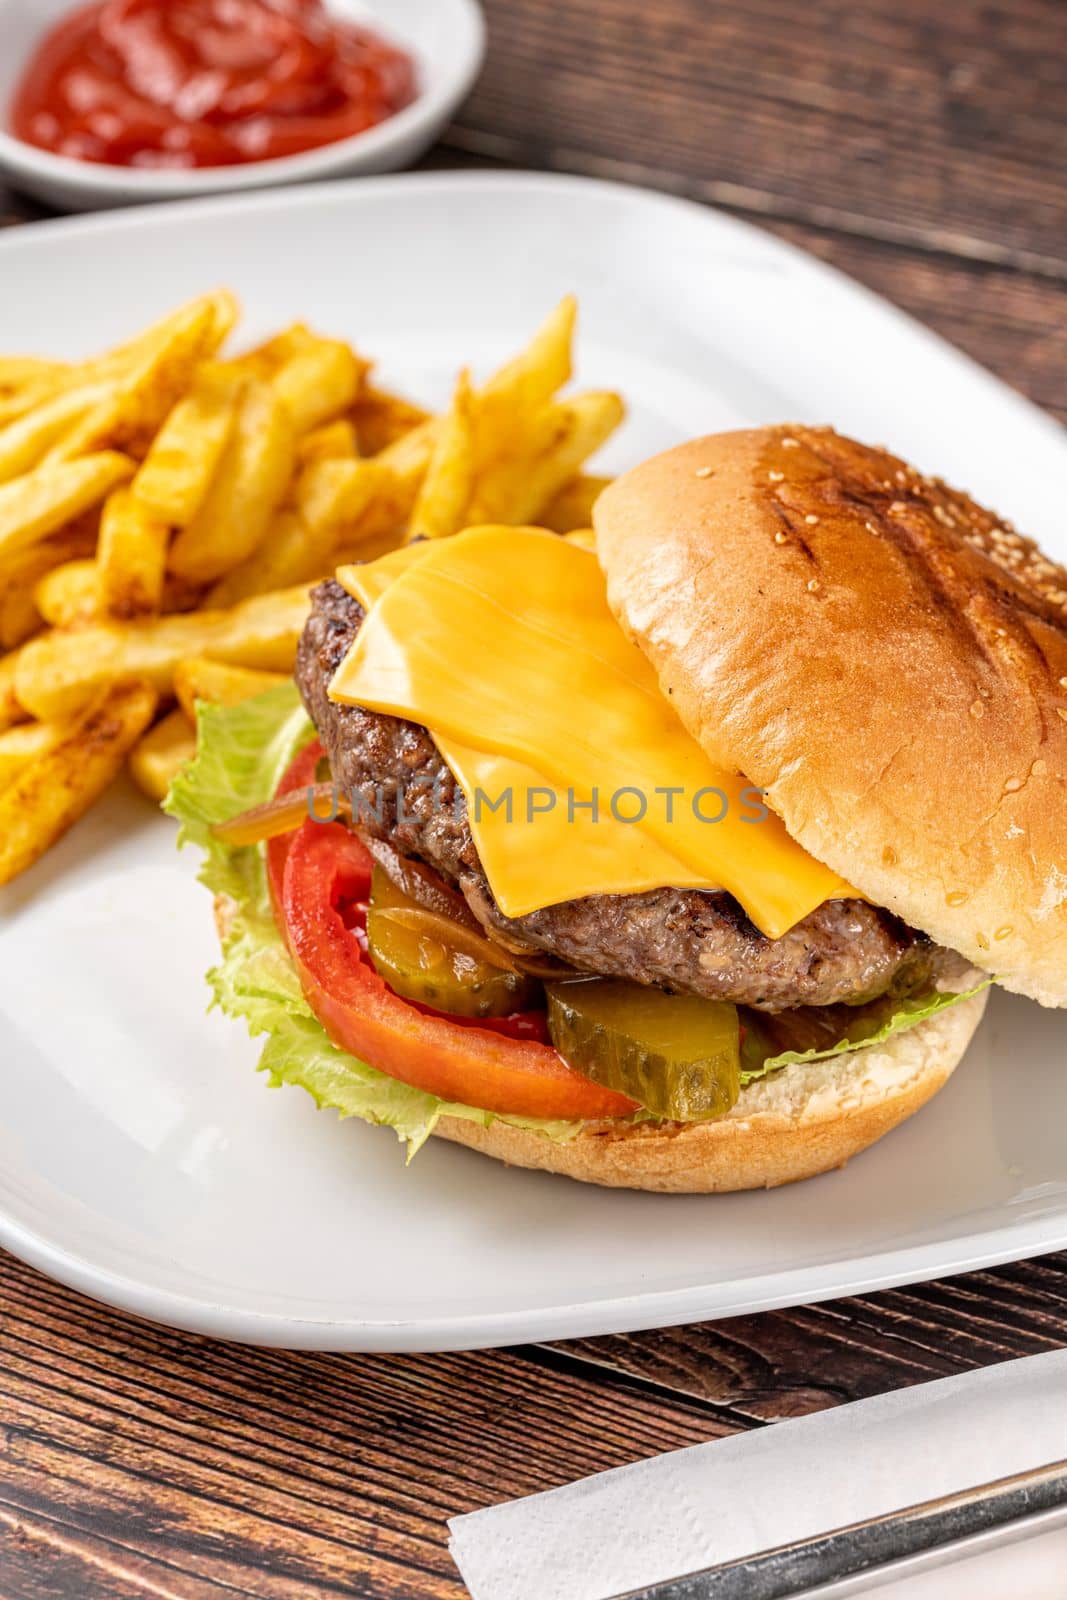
(676, 856)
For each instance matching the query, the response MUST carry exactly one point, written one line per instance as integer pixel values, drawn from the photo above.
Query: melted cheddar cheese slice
(500, 641)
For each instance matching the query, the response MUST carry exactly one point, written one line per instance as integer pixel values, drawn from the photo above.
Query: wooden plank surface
(924, 150)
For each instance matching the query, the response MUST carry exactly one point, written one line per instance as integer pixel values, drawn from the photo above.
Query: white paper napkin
(793, 1480)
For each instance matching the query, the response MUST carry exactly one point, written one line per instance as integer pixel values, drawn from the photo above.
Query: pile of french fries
(165, 507)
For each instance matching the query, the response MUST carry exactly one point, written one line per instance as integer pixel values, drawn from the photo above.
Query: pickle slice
(450, 968)
(677, 1055)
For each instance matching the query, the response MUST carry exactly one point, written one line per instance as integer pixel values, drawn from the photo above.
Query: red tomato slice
(328, 869)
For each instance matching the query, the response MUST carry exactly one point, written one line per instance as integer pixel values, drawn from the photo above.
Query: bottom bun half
(801, 1121)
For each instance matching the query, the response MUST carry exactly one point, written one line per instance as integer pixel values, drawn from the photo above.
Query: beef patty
(690, 940)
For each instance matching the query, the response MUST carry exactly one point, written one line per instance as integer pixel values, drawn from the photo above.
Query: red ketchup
(205, 83)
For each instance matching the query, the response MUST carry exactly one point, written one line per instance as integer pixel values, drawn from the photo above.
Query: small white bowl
(446, 38)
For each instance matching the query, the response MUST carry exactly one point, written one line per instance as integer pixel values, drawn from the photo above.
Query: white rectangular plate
(141, 1158)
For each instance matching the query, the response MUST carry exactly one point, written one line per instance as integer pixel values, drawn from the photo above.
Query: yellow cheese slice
(500, 640)
(542, 849)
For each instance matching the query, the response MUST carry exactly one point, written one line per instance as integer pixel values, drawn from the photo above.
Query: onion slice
(283, 814)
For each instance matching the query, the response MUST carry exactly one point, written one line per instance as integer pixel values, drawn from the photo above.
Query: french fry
(573, 507)
(334, 493)
(224, 685)
(131, 557)
(334, 441)
(141, 396)
(158, 757)
(518, 488)
(12, 711)
(332, 497)
(21, 745)
(27, 372)
(264, 360)
(69, 594)
(182, 459)
(214, 313)
(526, 383)
(381, 418)
(318, 382)
(248, 487)
(504, 408)
(446, 490)
(288, 555)
(19, 616)
(58, 787)
(56, 674)
(25, 442)
(44, 500)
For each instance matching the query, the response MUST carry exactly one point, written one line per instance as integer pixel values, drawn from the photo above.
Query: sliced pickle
(422, 959)
(677, 1055)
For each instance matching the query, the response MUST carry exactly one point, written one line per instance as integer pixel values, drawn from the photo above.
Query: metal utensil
(846, 1559)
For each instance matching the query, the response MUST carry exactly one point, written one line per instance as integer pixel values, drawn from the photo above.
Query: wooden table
(923, 149)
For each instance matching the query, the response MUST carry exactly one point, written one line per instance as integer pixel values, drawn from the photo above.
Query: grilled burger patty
(690, 940)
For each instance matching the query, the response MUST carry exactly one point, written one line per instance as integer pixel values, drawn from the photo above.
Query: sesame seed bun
(886, 659)
(793, 1124)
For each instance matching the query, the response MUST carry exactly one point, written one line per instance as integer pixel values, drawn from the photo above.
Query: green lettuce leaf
(242, 752)
(818, 1032)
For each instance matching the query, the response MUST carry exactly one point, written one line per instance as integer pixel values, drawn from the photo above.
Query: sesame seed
(811, 519)
(897, 505)
(977, 709)
(1063, 683)
(789, 444)
(1005, 932)
(1039, 768)
(1013, 786)
(703, 472)
(776, 477)
(900, 475)
(871, 527)
(781, 538)
(814, 585)
(1061, 711)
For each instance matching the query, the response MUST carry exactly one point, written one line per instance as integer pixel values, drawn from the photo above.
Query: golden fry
(334, 441)
(182, 459)
(445, 494)
(12, 711)
(318, 382)
(56, 674)
(518, 488)
(131, 557)
(28, 372)
(158, 757)
(222, 684)
(44, 500)
(332, 497)
(248, 487)
(264, 360)
(19, 616)
(21, 745)
(573, 507)
(58, 787)
(526, 383)
(25, 442)
(69, 594)
(381, 418)
(213, 315)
